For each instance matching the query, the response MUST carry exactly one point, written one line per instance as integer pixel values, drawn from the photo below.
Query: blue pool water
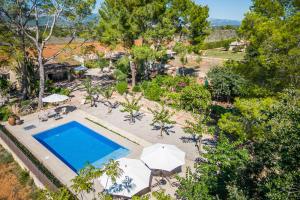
(77, 145)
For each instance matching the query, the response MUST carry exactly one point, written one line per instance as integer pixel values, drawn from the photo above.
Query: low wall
(40, 179)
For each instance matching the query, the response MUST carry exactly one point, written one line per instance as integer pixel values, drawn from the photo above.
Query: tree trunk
(42, 79)
(200, 146)
(133, 73)
(23, 65)
(161, 130)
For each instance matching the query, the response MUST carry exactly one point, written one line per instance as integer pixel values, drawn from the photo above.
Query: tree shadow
(209, 142)
(167, 129)
(137, 116)
(126, 184)
(68, 109)
(188, 139)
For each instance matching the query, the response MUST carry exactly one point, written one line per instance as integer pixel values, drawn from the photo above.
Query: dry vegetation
(15, 183)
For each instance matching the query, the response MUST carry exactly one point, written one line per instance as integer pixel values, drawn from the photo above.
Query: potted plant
(12, 120)
(18, 120)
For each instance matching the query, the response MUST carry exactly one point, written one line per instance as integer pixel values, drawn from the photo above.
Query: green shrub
(23, 177)
(144, 85)
(123, 65)
(119, 75)
(136, 88)
(225, 84)
(122, 87)
(217, 44)
(195, 98)
(5, 112)
(153, 92)
(4, 86)
(217, 111)
(60, 90)
(173, 83)
(173, 99)
(5, 157)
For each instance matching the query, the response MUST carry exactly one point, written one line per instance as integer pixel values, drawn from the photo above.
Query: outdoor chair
(156, 186)
(64, 111)
(172, 180)
(57, 116)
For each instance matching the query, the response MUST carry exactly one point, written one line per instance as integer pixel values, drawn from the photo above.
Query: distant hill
(61, 21)
(224, 22)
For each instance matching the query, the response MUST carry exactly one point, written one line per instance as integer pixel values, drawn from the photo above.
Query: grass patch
(5, 157)
(112, 131)
(218, 53)
(23, 177)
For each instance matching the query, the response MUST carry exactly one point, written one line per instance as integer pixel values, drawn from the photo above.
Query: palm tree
(112, 170)
(162, 117)
(83, 182)
(197, 128)
(132, 107)
(107, 94)
(90, 90)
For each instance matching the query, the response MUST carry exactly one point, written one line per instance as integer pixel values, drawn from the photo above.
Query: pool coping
(42, 135)
(56, 166)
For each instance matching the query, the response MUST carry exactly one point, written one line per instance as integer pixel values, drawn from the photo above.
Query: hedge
(218, 44)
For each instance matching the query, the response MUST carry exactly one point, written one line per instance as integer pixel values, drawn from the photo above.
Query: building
(238, 46)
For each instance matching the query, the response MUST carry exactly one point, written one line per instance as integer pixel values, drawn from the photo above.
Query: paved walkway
(142, 127)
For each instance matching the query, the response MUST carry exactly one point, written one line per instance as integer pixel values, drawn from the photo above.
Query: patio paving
(143, 129)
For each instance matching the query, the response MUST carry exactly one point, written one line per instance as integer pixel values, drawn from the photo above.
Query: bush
(218, 44)
(122, 87)
(173, 83)
(153, 91)
(173, 99)
(5, 112)
(123, 65)
(59, 90)
(24, 177)
(195, 98)
(4, 86)
(119, 75)
(217, 111)
(136, 88)
(5, 157)
(225, 84)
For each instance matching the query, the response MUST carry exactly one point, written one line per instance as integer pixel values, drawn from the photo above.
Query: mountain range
(223, 22)
(93, 17)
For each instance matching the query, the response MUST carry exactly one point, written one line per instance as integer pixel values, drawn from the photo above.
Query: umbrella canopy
(54, 98)
(135, 178)
(80, 68)
(163, 157)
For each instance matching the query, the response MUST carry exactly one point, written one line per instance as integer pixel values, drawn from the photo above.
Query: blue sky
(221, 9)
(227, 9)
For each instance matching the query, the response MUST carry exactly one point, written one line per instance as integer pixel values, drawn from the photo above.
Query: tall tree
(14, 16)
(71, 13)
(155, 22)
(272, 58)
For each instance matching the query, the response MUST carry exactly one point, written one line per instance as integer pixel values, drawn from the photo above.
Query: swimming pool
(77, 145)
